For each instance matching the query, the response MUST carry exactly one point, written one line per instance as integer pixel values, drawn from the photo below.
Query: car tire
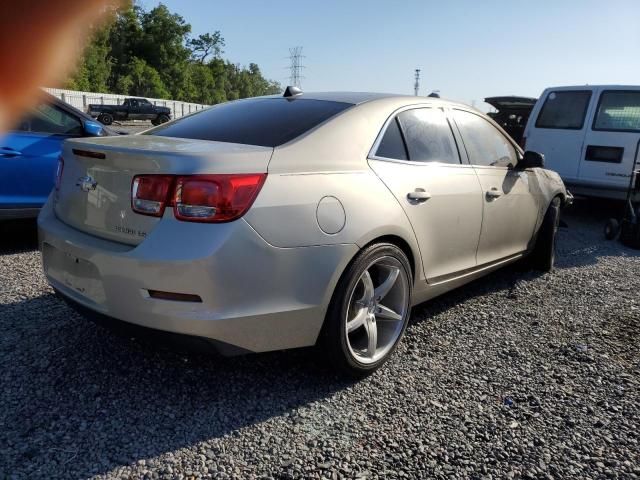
(543, 256)
(371, 299)
(611, 229)
(162, 119)
(105, 119)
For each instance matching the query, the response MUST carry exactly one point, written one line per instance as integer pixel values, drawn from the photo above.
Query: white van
(590, 135)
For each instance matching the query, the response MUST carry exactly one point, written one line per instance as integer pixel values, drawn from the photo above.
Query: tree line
(152, 54)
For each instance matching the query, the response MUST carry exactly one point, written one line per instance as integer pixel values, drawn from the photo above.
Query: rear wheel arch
(399, 242)
(333, 339)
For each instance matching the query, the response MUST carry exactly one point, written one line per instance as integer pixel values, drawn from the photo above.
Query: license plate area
(75, 273)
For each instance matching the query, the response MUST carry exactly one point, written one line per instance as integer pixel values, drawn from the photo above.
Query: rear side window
(618, 111)
(266, 122)
(485, 144)
(392, 143)
(51, 119)
(428, 136)
(565, 110)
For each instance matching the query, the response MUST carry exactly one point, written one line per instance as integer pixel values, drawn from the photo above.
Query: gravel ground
(516, 375)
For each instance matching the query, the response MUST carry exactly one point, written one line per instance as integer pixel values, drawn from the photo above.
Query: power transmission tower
(295, 55)
(416, 86)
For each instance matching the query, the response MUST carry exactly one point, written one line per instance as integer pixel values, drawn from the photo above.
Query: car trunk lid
(94, 193)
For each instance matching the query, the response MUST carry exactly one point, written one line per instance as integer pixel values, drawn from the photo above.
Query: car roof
(346, 97)
(591, 87)
(358, 98)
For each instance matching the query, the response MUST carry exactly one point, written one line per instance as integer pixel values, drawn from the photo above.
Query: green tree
(94, 69)
(163, 46)
(125, 35)
(141, 80)
(150, 54)
(206, 45)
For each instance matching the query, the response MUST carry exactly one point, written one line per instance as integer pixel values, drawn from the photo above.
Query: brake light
(215, 198)
(149, 194)
(59, 170)
(196, 198)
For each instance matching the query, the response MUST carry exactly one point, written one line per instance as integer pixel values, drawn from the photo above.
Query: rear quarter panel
(331, 161)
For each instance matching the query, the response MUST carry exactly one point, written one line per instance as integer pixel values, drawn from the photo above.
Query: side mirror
(93, 129)
(531, 160)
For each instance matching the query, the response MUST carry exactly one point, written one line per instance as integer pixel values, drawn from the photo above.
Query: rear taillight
(59, 170)
(150, 193)
(197, 198)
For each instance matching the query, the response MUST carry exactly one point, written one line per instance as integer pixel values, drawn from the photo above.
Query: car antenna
(292, 92)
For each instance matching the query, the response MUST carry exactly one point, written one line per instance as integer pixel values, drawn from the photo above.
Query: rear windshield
(267, 122)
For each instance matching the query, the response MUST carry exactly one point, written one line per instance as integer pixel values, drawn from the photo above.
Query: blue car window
(51, 119)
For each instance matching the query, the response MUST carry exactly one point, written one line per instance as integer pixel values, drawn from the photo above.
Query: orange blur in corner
(40, 42)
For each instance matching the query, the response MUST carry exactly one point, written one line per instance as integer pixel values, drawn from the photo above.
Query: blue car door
(29, 156)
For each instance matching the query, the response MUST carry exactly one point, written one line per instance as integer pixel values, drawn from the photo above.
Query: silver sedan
(289, 221)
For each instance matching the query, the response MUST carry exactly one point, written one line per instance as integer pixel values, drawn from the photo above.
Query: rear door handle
(9, 152)
(493, 193)
(419, 195)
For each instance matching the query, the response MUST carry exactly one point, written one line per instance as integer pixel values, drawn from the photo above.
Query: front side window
(428, 136)
(485, 144)
(46, 118)
(266, 122)
(618, 111)
(564, 110)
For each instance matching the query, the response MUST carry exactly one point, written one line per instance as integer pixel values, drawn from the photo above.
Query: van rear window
(565, 109)
(267, 122)
(618, 111)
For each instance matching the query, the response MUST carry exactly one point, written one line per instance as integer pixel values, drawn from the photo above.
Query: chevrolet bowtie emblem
(86, 183)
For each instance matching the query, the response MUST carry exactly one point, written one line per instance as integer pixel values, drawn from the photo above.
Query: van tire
(611, 229)
(543, 256)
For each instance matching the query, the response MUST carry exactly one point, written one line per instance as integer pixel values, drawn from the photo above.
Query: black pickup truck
(131, 109)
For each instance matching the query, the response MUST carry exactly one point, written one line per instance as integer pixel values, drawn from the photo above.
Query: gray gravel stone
(518, 375)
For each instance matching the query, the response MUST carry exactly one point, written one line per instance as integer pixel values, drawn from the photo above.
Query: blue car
(29, 155)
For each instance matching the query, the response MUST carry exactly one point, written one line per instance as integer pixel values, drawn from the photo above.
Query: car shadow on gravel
(79, 396)
(581, 241)
(77, 400)
(75, 394)
(18, 236)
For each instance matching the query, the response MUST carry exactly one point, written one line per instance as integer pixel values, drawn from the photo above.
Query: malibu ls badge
(86, 183)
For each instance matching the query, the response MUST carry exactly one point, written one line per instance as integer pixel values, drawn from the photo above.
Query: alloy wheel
(378, 306)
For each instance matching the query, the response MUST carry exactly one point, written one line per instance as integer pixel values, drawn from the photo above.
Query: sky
(466, 49)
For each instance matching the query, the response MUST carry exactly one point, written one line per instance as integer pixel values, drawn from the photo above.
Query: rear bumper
(171, 340)
(255, 297)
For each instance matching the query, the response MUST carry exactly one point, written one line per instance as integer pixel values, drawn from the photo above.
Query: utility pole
(295, 56)
(416, 86)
